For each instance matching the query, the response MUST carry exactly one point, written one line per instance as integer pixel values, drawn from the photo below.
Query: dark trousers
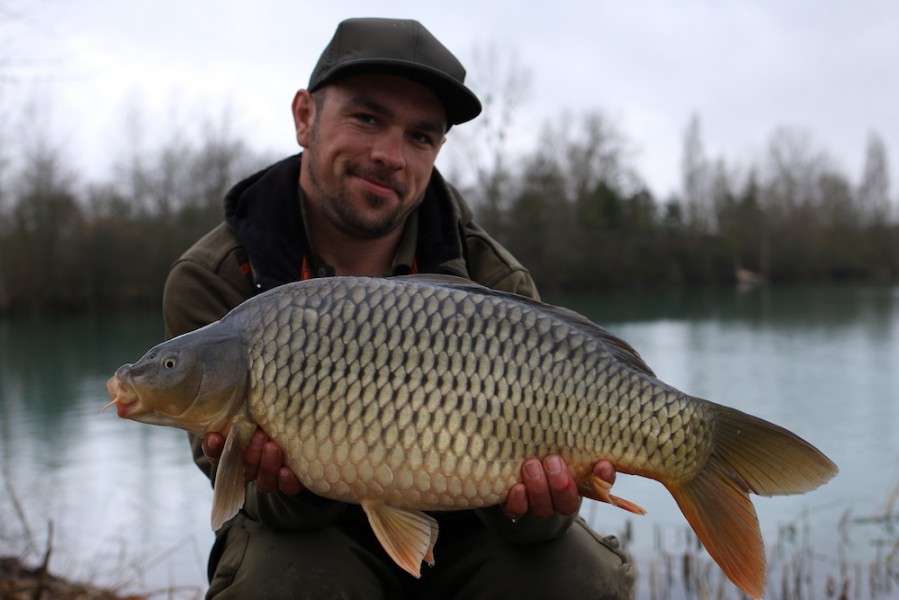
(345, 561)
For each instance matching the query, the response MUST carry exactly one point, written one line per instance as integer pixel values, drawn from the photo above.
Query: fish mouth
(124, 397)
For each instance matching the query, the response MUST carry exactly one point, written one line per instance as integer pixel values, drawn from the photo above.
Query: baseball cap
(401, 47)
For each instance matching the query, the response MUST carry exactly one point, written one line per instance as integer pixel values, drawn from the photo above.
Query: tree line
(104, 245)
(580, 217)
(573, 210)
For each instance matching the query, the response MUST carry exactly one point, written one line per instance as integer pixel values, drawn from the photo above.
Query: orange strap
(306, 272)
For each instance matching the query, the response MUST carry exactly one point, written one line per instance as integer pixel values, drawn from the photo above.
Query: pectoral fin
(229, 490)
(408, 536)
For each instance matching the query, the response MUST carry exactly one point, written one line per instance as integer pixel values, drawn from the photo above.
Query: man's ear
(303, 114)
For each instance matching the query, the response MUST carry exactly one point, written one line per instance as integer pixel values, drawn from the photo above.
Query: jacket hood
(263, 210)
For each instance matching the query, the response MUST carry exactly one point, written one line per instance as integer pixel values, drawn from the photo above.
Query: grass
(864, 565)
(26, 575)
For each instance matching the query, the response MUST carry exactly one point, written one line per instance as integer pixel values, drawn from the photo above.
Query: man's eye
(423, 138)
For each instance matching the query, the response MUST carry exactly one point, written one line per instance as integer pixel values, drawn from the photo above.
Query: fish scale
(427, 393)
(472, 368)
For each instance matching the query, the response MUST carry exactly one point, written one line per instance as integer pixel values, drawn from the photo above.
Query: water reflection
(120, 496)
(796, 307)
(820, 361)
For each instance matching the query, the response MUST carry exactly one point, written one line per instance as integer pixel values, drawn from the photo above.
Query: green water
(129, 509)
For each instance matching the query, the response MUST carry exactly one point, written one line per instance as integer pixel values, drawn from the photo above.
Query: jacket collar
(264, 211)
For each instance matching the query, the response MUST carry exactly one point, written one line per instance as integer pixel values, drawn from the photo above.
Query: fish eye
(169, 362)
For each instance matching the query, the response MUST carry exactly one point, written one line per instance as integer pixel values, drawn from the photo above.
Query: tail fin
(749, 455)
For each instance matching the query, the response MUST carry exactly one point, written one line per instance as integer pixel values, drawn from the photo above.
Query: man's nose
(389, 150)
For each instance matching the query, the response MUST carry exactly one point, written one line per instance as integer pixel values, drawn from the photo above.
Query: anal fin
(598, 489)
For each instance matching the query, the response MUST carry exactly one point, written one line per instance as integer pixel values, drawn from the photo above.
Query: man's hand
(547, 487)
(263, 461)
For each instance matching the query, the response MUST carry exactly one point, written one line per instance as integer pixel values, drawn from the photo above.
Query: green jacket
(262, 244)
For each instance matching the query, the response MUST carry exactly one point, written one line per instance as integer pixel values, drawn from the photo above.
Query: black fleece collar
(263, 210)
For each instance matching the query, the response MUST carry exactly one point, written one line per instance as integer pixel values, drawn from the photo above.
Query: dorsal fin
(620, 349)
(442, 280)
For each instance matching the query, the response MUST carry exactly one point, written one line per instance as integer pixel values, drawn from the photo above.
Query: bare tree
(44, 227)
(873, 193)
(130, 168)
(219, 160)
(596, 152)
(696, 175)
(481, 150)
(792, 170)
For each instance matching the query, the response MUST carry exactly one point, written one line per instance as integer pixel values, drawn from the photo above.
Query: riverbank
(18, 581)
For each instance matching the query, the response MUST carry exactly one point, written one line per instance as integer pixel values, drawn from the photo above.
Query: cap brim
(460, 103)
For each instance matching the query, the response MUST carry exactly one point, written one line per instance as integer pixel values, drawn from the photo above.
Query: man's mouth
(377, 183)
(377, 188)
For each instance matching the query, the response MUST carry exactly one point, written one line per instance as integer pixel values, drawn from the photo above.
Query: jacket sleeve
(195, 296)
(486, 260)
(198, 292)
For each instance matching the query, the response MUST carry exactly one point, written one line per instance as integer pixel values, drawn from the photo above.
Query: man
(364, 198)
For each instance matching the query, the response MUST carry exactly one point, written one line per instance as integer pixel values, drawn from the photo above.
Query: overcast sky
(828, 68)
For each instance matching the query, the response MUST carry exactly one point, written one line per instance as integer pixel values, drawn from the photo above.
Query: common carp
(427, 393)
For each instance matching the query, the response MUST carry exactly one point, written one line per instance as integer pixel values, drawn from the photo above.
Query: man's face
(370, 146)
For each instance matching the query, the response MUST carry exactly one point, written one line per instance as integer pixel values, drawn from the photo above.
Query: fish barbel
(427, 393)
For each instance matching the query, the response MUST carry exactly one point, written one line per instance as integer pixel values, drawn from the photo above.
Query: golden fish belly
(411, 454)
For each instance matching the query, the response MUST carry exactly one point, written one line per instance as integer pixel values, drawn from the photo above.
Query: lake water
(129, 509)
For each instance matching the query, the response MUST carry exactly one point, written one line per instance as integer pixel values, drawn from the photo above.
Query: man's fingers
(548, 487)
(270, 463)
(288, 482)
(605, 470)
(213, 444)
(252, 455)
(517, 502)
(562, 489)
(263, 462)
(539, 498)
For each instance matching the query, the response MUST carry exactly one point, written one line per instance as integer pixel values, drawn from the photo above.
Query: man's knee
(580, 565)
(251, 561)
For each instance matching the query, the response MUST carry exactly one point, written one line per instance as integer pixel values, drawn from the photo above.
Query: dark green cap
(401, 47)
